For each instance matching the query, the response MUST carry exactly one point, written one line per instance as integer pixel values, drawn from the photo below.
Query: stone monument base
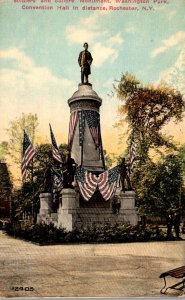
(67, 209)
(72, 214)
(45, 207)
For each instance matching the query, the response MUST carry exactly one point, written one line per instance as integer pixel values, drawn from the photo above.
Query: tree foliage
(29, 122)
(158, 185)
(3, 151)
(147, 109)
(181, 155)
(5, 182)
(110, 159)
(26, 199)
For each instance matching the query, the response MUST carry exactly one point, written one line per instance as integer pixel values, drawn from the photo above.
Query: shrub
(44, 233)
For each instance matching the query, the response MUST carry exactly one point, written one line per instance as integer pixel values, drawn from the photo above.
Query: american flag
(132, 153)
(55, 150)
(72, 126)
(107, 182)
(87, 182)
(92, 118)
(81, 126)
(57, 180)
(28, 155)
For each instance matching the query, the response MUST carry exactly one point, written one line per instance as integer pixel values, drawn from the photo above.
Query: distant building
(5, 191)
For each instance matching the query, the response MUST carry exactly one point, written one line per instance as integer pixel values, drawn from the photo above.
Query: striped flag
(132, 153)
(72, 126)
(107, 182)
(57, 180)
(55, 150)
(27, 155)
(92, 118)
(87, 182)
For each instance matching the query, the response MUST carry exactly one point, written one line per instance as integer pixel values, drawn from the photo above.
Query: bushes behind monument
(48, 234)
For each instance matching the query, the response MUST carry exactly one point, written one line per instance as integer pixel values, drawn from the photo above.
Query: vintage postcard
(92, 148)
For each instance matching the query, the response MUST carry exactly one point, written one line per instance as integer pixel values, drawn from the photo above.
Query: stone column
(86, 99)
(69, 204)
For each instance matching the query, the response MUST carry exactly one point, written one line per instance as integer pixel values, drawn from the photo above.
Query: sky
(39, 51)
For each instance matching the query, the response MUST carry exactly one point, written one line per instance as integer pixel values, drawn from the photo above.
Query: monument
(88, 200)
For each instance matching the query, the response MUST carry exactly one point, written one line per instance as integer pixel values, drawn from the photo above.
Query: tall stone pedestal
(45, 207)
(85, 99)
(67, 212)
(128, 208)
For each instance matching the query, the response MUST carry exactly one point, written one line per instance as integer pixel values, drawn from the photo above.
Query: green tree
(26, 199)
(181, 155)
(63, 149)
(29, 122)
(5, 185)
(3, 151)
(158, 185)
(147, 109)
(110, 159)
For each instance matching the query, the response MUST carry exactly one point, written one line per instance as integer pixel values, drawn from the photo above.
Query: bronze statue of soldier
(85, 60)
(69, 172)
(48, 179)
(124, 177)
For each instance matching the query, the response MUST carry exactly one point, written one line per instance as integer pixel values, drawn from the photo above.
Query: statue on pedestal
(85, 59)
(124, 176)
(69, 172)
(48, 179)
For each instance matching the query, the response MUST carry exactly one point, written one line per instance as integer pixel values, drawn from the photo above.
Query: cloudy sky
(39, 51)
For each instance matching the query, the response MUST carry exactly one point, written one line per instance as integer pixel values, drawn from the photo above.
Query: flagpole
(102, 155)
(81, 132)
(33, 190)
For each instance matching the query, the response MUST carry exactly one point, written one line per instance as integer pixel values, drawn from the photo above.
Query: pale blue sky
(39, 51)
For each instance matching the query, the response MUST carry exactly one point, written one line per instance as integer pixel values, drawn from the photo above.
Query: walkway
(86, 270)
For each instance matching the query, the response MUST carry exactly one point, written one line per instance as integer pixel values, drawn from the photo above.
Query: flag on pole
(132, 153)
(107, 182)
(28, 154)
(72, 126)
(87, 182)
(57, 180)
(55, 150)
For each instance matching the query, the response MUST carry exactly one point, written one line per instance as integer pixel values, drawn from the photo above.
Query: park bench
(178, 273)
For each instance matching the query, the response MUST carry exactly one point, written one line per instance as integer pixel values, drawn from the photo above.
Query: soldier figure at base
(85, 59)
(69, 172)
(124, 176)
(48, 179)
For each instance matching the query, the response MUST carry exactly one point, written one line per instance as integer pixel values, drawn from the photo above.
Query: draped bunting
(93, 120)
(107, 182)
(88, 182)
(72, 126)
